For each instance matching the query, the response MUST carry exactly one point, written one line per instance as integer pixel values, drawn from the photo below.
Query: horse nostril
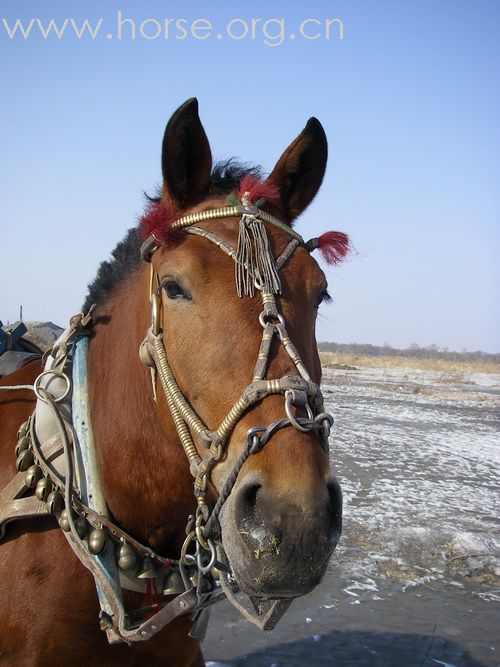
(246, 500)
(335, 503)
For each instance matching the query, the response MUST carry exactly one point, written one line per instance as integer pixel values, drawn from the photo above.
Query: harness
(56, 456)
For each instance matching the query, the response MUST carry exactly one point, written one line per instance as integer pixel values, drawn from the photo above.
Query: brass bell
(81, 526)
(33, 475)
(97, 541)
(173, 584)
(22, 444)
(64, 521)
(24, 460)
(147, 570)
(55, 502)
(23, 429)
(126, 557)
(43, 488)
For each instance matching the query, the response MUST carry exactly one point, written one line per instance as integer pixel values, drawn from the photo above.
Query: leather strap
(13, 507)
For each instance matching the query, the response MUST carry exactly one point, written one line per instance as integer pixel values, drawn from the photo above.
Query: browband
(151, 244)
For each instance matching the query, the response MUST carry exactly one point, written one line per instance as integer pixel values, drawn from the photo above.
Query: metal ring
(185, 557)
(200, 536)
(256, 445)
(37, 388)
(291, 416)
(206, 568)
(251, 434)
(263, 318)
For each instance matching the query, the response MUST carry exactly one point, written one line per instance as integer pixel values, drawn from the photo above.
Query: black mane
(125, 258)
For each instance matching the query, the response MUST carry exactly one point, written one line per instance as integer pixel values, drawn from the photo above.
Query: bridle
(255, 268)
(74, 493)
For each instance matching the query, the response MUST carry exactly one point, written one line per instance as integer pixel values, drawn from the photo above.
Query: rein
(62, 470)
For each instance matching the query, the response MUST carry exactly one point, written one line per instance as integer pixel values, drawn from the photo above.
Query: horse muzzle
(279, 544)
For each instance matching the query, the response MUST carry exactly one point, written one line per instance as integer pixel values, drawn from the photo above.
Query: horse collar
(58, 475)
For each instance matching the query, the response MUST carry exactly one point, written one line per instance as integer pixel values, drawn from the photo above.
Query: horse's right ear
(186, 158)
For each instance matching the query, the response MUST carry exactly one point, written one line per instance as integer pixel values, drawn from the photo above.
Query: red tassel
(157, 219)
(334, 246)
(258, 189)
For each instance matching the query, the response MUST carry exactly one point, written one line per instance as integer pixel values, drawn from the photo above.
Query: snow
(418, 457)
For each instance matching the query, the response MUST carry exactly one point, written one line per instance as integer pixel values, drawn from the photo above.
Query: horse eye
(174, 291)
(324, 297)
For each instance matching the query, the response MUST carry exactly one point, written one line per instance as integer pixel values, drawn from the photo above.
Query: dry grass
(450, 369)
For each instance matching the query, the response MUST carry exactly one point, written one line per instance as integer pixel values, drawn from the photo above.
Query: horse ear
(300, 170)
(186, 158)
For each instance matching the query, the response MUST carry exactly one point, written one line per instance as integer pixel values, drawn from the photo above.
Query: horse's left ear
(299, 171)
(186, 158)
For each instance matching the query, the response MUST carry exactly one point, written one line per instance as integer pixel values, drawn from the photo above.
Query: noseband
(255, 268)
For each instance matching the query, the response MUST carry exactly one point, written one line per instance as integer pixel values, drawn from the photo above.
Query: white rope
(19, 386)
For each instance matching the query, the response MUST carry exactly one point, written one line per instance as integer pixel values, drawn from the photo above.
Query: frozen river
(415, 579)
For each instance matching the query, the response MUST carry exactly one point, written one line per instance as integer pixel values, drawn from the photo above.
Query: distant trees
(415, 351)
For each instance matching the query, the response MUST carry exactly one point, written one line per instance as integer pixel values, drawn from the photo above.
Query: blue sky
(410, 102)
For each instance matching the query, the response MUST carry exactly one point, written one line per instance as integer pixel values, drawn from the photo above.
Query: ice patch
(422, 581)
(490, 596)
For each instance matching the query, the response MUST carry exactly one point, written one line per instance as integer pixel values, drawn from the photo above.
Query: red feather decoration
(157, 220)
(258, 189)
(334, 246)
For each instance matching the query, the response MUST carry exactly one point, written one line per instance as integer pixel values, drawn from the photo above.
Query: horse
(229, 291)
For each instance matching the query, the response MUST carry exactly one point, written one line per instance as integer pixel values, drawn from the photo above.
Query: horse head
(282, 517)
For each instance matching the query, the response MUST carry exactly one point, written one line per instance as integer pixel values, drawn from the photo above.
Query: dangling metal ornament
(254, 259)
(126, 557)
(64, 521)
(55, 502)
(23, 429)
(22, 444)
(97, 541)
(33, 475)
(147, 570)
(173, 584)
(81, 527)
(43, 488)
(24, 460)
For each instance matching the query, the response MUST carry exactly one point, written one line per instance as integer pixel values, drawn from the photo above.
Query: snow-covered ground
(415, 579)
(418, 456)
